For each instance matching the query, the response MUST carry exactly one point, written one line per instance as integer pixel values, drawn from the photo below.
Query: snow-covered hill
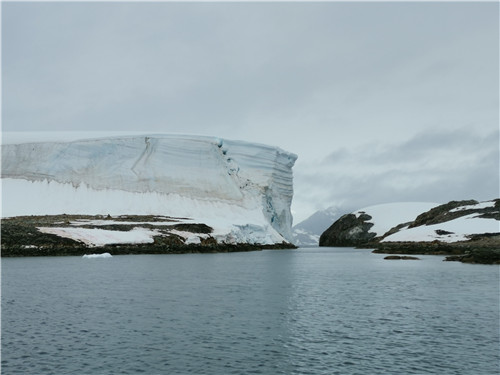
(242, 190)
(414, 222)
(455, 224)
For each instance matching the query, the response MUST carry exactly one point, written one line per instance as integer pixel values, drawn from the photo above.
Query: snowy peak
(233, 184)
(308, 231)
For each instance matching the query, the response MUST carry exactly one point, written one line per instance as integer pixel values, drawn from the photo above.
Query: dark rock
(396, 229)
(442, 232)
(480, 248)
(478, 256)
(349, 230)
(441, 214)
(429, 248)
(399, 257)
(193, 228)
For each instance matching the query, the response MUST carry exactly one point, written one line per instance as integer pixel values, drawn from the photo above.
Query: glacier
(242, 190)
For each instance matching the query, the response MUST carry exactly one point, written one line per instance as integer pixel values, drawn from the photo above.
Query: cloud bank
(399, 96)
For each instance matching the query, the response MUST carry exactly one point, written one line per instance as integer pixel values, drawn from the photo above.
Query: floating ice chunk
(96, 256)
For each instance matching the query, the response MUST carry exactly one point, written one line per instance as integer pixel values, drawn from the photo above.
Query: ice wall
(199, 177)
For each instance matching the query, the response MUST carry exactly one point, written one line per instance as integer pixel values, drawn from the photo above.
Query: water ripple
(301, 312)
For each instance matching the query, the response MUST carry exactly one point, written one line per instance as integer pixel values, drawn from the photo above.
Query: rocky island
(466, 231)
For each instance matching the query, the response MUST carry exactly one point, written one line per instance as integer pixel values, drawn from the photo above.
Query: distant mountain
(308, 231)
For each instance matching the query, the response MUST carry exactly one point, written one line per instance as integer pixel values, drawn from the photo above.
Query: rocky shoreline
(21, 237)
(480, 249)
(149, 249)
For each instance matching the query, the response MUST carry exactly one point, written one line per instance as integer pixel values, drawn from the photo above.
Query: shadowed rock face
(398, 257)
(349, 230)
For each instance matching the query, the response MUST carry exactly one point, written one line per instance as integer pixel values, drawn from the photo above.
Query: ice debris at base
(242, 190)
(97, 256)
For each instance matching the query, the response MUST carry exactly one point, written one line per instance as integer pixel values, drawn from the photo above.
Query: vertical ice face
(202, 170)
(267, 170)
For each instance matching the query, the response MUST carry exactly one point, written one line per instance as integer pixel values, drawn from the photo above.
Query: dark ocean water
(306, 311)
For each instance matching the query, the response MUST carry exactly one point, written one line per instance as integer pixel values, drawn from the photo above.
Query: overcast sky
(382, 102)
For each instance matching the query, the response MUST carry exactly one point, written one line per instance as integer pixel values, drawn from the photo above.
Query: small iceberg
(93, 256)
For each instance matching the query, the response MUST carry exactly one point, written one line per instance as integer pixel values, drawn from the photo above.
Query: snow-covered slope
(242, 190)
(388, 215)
(456, 229)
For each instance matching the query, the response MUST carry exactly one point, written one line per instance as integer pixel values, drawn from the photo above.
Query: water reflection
(315, 311)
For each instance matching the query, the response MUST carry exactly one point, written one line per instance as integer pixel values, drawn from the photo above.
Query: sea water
(306, 311)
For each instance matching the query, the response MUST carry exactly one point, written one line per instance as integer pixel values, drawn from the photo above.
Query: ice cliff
(242, 190)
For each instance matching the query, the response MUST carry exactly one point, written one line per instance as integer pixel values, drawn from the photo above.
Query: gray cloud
(435, 167)
(387, 80)
(449, 146)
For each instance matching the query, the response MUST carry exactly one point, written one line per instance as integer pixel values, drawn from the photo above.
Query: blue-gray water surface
(306, 311)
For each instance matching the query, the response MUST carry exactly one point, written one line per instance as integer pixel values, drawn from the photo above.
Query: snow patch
(101, 237)
(97, 223)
